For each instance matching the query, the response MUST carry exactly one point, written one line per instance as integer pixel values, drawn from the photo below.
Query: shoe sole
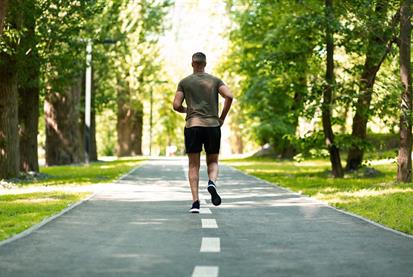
(194, 211)
(215, 199)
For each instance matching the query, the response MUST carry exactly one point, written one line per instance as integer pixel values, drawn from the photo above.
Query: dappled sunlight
(378, 196)
(162, 183)
(35, 200)
(352, 196)
(310, 211)
(312, 163)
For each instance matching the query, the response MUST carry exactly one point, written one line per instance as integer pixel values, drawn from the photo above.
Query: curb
(328, 205)
(129, 172)
(53, 217)
(45, 221)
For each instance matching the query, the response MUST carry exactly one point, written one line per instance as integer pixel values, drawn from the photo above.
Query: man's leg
(212, 164)
(193, 174)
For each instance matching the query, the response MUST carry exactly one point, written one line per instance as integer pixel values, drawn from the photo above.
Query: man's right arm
(177, 104)
(225, 92)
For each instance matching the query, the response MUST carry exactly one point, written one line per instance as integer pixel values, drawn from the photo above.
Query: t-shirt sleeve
(180, 87)
(219, 83)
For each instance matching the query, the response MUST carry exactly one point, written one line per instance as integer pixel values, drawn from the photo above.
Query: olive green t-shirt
(201, 97)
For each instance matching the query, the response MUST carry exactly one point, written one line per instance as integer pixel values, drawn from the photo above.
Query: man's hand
(177, 104)
(221, 122)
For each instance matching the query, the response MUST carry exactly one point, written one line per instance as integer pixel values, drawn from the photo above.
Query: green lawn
(22, 210)
(378, 198)
(93, 173)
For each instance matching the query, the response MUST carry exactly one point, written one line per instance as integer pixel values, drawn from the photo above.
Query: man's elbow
(230, 97)
(175, 107)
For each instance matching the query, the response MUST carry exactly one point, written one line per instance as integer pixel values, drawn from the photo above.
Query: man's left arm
(225, 92)
(178, 100)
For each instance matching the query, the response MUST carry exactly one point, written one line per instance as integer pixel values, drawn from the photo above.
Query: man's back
(201, 97)
(203, 126)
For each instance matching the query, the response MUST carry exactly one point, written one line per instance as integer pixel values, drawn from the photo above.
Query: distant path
(141, 228)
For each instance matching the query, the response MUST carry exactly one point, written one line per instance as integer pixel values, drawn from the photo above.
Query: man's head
(198, 61)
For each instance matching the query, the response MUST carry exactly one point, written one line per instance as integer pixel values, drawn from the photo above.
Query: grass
(379, 198)
(93, 173)
(19, 211)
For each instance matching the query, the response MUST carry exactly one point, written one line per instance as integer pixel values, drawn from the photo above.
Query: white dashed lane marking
(205, 211)
(205, 271)
(210, 245)
(209, 223)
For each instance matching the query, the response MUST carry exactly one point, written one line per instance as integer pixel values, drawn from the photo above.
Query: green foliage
(166, 120)
(277, 52)
(131, 69)
(62, 29)
(272, 48)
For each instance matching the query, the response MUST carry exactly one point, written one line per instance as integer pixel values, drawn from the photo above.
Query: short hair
(199, 58)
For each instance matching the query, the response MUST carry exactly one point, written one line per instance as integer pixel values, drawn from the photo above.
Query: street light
(150, 115)
(88, 98)
(88, 92)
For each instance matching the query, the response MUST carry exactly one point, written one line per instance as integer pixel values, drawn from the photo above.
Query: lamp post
(88, 92)
(88, 98)
(151, 114)
(150, 123)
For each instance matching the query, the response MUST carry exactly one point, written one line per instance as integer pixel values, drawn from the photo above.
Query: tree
(271, 48)
(63, 30)
(334, 151)
(404, 169)
(9, 142)
(3, 11)
(379, 44)
(141, 23)
(29, 90)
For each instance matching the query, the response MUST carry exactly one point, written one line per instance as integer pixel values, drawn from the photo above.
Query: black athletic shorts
(195, 137)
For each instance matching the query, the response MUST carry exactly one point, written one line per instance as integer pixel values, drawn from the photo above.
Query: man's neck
(199, 71)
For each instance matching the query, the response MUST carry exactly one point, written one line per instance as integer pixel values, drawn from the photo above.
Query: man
(203, 126)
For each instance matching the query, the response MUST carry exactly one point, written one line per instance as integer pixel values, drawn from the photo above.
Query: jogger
(200, 91)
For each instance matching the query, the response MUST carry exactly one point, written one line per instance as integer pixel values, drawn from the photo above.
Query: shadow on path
(140, 227)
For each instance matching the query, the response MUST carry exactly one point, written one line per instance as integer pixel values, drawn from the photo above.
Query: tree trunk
(29, 123)
(379, 45)
(93, 146)
(404, 169)
(9, 137)
(137, 132)
(129, 127)
(237, 144)
(337, 169)
(288, 150)
(63, 137)
(3, 11)
(29, 97)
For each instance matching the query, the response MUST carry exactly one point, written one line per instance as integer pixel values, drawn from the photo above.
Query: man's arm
(225, 92)
(177, 104)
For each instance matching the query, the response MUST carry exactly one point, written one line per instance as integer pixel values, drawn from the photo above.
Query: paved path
(142, 228)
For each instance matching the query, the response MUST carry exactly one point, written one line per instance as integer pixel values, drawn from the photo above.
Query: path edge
(62, 212)
(45, 221)
(327, 205)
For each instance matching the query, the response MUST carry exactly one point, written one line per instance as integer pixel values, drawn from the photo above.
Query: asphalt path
(141, 227)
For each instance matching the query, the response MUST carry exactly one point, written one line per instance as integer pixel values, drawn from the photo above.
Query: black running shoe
(195, 207)
(212, 189)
